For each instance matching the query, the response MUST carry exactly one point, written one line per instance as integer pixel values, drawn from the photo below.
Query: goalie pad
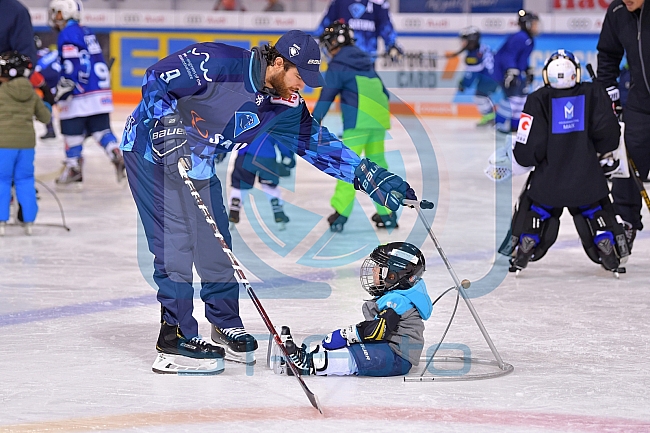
(595, 222)
(538, 222)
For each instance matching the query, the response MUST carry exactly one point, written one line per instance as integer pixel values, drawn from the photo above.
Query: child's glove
(609, 164)
(169, 143)
(384, 187)
(615, 95)
(369, 330)
(512, 78)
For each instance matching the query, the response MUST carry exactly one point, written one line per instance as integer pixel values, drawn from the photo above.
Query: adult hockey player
(479, 67)
(366, 116)
(205, 100)
(512, 71)
(258, 161)
(83, 93)
(369, 19)
(567, 132)
(391, 338)
(624, 32)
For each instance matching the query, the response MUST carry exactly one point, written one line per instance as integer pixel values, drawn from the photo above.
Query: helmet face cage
(337, 34)
(562, 70)
(471, 37)
(394, 266)
(13, 65)
(70, 10)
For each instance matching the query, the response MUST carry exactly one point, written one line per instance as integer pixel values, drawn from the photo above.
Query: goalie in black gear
(567, 132)
(391, 338)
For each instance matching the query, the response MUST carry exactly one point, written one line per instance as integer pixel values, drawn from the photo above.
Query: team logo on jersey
(525, 123)
(195, 120)
(202, 65)
(568, 114)
(244, 121)
(357, 9)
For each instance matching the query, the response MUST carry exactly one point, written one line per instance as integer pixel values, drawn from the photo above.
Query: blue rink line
(75, 310)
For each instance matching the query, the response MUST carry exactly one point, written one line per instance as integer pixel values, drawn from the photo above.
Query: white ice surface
(79, 319)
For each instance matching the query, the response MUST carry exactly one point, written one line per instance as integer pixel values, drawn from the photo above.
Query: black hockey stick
(634, 172)
(241, 278)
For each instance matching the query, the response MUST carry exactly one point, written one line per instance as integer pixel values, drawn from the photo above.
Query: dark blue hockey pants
(178, 236)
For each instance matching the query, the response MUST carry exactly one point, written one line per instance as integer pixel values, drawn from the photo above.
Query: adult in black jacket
(565, 129)
(626, 30)
(16, 32)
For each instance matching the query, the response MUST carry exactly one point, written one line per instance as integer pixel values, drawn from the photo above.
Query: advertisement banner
(459, 6)
(580, 5)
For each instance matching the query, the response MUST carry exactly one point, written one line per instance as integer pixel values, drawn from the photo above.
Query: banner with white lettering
(459, 6)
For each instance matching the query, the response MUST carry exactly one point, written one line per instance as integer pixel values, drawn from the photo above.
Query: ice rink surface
(80, 318)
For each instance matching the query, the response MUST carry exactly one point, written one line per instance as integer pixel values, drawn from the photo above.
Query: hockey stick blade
(241, 278)
(424, 204)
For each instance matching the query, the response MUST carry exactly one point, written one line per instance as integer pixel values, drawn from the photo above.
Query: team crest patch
(525, 123)
(245, 120)
(357, 9)
(568, 114)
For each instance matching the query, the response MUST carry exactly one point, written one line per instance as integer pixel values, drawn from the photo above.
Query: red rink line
(545, 421)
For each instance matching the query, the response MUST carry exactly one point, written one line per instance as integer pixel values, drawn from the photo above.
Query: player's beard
(278, 84)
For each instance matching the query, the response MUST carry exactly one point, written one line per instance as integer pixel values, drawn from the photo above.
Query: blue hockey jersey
(48, 65)
(513, 54)
(368, 18)
(215, 88)
(478, 62)
(82, 61)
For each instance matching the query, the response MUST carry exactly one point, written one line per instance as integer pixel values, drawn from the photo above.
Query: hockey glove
(384, 187)
(609, 164)
(64, 89)
(285, 166)
(530, 75)
(341, 338)
(395, 52)
(615, 96)
(512, 79)
(169, 143)
(379, 329)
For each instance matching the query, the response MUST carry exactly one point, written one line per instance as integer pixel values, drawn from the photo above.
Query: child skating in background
(391, 338)
(258, 160)
(19, 103)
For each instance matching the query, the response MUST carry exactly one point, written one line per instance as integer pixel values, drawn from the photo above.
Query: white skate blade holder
(186, 366)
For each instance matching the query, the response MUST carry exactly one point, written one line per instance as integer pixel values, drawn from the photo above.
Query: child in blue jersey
(479, 67)
(512, 71)
(83, 93)
(198, 103)
(258, 160)
(391, 338)
(370, 19)
(50, 69)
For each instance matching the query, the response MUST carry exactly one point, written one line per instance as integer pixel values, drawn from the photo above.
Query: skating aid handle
(424, 204)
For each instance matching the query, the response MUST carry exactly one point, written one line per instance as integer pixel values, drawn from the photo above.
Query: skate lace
(300, 358)
(198, 341)
(234, 333)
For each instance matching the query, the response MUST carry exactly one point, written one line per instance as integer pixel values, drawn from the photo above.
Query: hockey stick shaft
(639, 182)
(459, 285)
(241, 278)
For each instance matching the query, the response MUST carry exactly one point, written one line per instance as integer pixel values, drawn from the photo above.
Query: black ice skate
(525, 251)
(118, 161)
(608, 257)
(240, 346)
(49, 133)
(336, 221)
(300, 357)
(385, 221)
(179, 355)
(278, 213)
(235, 206)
